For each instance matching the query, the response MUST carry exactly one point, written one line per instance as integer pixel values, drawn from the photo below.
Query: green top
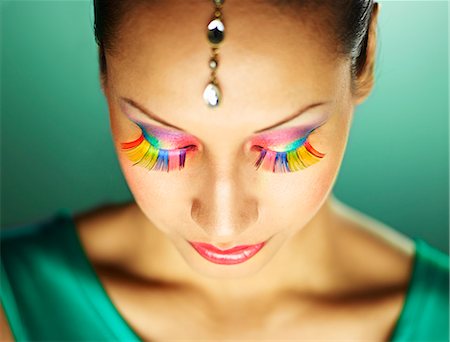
(50, 291)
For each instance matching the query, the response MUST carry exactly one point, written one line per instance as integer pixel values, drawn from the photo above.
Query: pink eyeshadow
(282, 138)
(161, 137)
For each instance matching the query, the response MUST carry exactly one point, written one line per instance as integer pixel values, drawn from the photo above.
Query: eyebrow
(149, 113)
(279, 123)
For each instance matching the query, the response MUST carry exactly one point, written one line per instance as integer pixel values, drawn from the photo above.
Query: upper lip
(223, 251)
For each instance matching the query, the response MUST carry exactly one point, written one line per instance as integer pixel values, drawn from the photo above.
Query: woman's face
(271, 67)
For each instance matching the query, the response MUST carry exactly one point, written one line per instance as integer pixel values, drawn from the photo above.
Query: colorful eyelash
(140, 151)
(143, 151)
(292, 160)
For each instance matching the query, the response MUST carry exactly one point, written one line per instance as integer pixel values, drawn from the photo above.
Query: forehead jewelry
(212, 93)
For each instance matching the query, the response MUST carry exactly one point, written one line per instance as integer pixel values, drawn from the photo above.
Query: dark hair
(347, 20)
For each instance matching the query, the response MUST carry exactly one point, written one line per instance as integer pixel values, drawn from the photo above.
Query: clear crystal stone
(211, 95)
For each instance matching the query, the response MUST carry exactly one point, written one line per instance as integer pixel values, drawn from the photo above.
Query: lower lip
(230, 257)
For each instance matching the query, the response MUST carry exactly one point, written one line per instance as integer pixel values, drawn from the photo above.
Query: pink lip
(230, 256)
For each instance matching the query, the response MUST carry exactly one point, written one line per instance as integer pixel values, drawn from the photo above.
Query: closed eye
(144, 153)
(299, 156)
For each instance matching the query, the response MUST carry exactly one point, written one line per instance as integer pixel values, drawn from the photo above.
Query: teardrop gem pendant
(212, 95)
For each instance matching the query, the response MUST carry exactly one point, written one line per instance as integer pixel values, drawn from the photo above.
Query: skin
(351, 271)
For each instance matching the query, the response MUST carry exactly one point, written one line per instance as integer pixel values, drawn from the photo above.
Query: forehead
(268, 61)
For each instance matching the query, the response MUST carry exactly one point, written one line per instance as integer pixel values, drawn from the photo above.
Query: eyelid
(296, 146)
(151, 139)
(141, 152)
(259, 147)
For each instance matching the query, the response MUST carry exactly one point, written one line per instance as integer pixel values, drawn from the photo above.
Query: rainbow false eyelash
(300, 156)
(143, 151)
(146, 151)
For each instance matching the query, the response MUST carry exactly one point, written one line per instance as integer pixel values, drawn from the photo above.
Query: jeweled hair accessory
(212, 93)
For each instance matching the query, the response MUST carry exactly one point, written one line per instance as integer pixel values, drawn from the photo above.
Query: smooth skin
(328, 272)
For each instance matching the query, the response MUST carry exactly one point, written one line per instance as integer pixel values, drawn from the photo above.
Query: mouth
(235, 255)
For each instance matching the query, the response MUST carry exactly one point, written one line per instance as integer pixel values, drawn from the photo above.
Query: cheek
(291, 200)
(161, 196)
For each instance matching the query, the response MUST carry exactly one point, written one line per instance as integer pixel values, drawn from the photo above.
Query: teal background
(57, 151)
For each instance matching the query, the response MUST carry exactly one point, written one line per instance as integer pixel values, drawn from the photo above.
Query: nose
(225, 208)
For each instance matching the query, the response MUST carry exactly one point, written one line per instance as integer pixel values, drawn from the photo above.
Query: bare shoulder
(106, 231)
(380, 252)
(377, 261)
(5, 330)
